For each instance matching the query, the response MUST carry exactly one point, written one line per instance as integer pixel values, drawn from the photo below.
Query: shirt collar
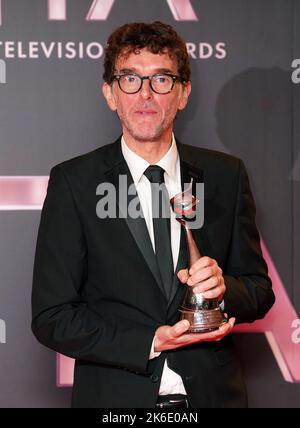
(138, 165)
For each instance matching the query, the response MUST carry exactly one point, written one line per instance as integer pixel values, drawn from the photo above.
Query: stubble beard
(149, 133)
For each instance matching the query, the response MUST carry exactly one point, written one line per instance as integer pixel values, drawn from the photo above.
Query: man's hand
(167, 337)
(206, 277)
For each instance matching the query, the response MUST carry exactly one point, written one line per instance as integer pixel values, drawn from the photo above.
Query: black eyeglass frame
(174, 77)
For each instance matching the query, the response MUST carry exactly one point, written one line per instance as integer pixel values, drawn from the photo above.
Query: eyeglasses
(159, 83)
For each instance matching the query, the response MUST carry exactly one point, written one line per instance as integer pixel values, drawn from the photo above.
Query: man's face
(146, 115)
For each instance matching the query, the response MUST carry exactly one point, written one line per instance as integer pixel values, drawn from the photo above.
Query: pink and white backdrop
(245, 101)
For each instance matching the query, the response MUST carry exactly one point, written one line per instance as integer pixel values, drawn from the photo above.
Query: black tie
(161, 225)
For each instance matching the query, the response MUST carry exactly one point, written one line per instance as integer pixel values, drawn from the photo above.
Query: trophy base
(203, 320)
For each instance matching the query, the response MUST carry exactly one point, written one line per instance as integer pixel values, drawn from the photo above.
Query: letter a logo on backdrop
(182, 10)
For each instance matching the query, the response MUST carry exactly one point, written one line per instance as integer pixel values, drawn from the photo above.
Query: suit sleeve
(61, 319)
(249, 294)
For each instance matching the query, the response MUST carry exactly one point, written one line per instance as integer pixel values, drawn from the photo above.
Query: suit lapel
(137, 226)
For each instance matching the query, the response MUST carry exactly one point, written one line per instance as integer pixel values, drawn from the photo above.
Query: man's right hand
(176, 336)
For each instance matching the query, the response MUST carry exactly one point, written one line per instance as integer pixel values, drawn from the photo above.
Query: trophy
(203, 314)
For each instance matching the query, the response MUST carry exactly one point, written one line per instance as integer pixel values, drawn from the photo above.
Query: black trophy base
(203, 320)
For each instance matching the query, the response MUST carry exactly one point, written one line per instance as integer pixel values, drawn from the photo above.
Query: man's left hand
(206, 277)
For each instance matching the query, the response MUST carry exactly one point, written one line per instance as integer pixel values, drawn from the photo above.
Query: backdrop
(245, 101)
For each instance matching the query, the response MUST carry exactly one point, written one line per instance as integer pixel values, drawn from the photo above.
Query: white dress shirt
(171, 382)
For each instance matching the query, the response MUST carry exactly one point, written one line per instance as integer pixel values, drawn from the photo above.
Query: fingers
(180, 328)
(206, 277)
(214, 293)
(229, 325)
(203, 274)
(183, 326)
(202, 263)
(226, 328)
(208, 284)
(167, 337)
(183, 275)
(212, 288)
(232, 322)
(166, 332)
(222, 331)
(213, 336)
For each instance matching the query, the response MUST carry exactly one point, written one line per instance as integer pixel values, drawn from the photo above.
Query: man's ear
(184, 96)
(109, 96)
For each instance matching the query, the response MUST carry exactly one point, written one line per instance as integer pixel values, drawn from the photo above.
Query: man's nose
(146, 91)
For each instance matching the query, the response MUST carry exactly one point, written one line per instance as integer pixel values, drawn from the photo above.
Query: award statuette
(203, 314)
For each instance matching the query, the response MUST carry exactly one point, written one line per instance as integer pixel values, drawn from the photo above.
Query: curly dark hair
(157, 37)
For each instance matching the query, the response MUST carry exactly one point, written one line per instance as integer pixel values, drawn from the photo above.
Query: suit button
(154, 378)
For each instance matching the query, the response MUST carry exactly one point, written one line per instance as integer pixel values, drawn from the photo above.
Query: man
(99, 291)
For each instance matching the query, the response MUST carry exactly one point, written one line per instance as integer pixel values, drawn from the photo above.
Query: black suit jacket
(97, 295)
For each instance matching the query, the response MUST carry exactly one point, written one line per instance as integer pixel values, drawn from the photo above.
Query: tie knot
(155, 174)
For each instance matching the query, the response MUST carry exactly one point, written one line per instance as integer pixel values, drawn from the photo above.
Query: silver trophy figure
(203, 314)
